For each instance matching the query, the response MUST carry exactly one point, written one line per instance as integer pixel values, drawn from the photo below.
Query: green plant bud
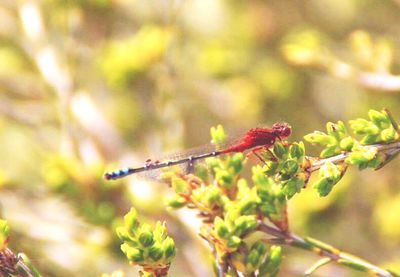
(234, 242)
(330, 151)
(362, 126)
(176, 201)
(361, 156)
(297, 150)
(4, 232)
(259, 178)
(267, 209)
(279, 150)
(156, 252)
(291, 187)
(245, 223)
(146, 238)
(260, 247)
(332, 130)
(134, 254)
(224, 178)
(217, 135)
(377, 161)
(380, 119)
(221, 228)
(389, 134)
(169, 248)
(369, 139)
(270, 266)
(270, 168)
(160, 231)
(122, 233)
(4, 228)
(275, 255)
(329, 171)
(321, 138)
(252, 259)
(247, 205)
(213, 164)
(179, 185)
(323, 186)
(236, 162)
(130, 220)
(213, 195)
(346, 143)
(340, 128)
(290, 167)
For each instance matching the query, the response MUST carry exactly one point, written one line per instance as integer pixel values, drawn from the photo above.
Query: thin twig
(328, 251)
(341, 157)
(317, 265)
(382, 81)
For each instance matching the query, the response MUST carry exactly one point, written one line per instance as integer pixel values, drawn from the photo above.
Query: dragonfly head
(282, 130)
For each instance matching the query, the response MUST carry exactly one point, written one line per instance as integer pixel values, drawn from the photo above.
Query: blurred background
(88, 86)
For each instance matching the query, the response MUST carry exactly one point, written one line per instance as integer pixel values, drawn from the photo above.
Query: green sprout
(146, 246)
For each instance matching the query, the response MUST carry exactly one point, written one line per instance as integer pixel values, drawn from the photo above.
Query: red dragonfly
(254, 139)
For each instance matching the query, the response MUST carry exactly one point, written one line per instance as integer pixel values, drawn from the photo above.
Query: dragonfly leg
(255, 153)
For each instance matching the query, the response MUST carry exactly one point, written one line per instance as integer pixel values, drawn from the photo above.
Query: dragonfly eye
(282, 129)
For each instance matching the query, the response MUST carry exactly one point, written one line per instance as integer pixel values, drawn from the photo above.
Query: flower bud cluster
(146, 246)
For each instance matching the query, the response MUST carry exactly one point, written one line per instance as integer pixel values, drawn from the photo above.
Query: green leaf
(279, 150)
(346, 143)
(134, 254)
(297, 150)
(330, 151)
(221, 228)
(293, 186)
(290, 167)
(370, 139)
(234, 242)
(169, 248)
(176, 201)
(379, 118)
(179, 185)
(156, 252)
(146, 238)
(389, 134)
(224, 178)
(362, 126)
(270, 266)
(217, 135)
(321, 138)
(236, 162)
(130, 219)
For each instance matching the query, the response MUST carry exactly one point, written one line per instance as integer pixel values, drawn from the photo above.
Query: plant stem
(13, 264)
(324, 250)
(389, 147)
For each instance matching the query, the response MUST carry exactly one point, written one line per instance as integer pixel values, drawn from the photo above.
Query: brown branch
(12, 264)
(383, 81)
(384, 148)
(323, 250)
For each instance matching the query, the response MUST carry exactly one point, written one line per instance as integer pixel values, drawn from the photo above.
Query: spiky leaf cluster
(258, 257)
(144, 245)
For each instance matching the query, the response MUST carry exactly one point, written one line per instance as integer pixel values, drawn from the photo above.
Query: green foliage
(378, 128)
(329, 175)
(144, 245)
(270, 266)
(123, 60)
(4, 233)
(335, 140)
